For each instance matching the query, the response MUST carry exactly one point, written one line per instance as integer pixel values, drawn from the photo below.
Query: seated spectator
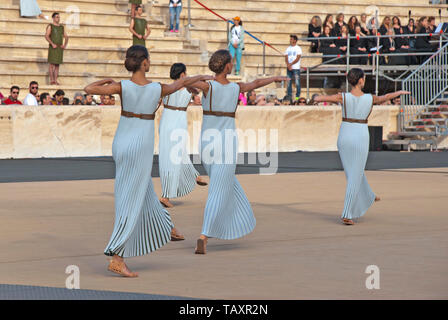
(58, 98)
(270, 100)
(2, 98)
(385, 25)
(31, 98)
(105, 100)
(242, 99)
(337, 31)
(196, 100)
(411, 29)
(88, 100)
(286, 101)
(352, 23)
(251, 97)
(396, 101)
(432, 24)
(261, 100)
(341, 43)
(13, 98)
(327, 46)
(301, 101)
(78, 96)
(112, 100)
(329, 22)
(45, 99)
(314, 31)
(358, 46)
(363, 23)
(65, 101)
(422, 43)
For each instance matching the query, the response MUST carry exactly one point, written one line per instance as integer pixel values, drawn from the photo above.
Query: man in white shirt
(30, 99)
(292, 60)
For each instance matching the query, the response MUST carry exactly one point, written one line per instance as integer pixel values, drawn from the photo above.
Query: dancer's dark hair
(354, 75)
(219, 60)
(176, 70)
(134, 57)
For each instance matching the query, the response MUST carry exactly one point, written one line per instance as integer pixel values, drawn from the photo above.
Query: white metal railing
(426, 84)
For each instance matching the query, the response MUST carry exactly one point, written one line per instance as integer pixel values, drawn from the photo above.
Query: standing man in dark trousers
(292, 60)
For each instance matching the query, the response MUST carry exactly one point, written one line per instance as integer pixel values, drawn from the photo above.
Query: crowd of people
(360, 45)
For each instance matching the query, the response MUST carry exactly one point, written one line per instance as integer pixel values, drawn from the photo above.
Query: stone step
(106, 41)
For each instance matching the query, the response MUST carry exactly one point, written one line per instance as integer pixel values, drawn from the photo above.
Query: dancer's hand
(403, 92)
(54, 46)
(281, 78)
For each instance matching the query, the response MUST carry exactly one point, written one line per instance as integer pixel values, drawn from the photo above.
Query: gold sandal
(200, 246)
(348, 222)
(166, 204)
(119, 268)
(176, 236)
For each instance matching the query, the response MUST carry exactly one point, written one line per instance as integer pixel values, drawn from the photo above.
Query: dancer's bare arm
(379, 100)
(106, 86)
(168, 89)
(201, 85)
(335, 98)
(245, 87)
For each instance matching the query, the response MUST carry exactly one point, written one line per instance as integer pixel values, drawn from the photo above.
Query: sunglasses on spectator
(15, 92)
(302, 101)
(34, 87)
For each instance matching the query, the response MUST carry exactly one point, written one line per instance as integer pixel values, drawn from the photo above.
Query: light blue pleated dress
(177, 173)
(227, 214)
(353, 146)
(142, 225)
(29, 8)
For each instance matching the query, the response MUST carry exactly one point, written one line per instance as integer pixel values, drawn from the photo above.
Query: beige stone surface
(298, 250)
(6, 133)
(69, 131)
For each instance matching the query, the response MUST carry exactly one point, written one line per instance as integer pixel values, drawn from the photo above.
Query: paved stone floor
(299, 249)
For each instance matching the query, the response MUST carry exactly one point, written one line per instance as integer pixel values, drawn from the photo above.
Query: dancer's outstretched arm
(168, 89)
(245, 87)
(379, 100)
(335, 98)
(105, 86)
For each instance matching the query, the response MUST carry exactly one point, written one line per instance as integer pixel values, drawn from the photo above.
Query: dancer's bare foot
(166, 202)
(348, 222)
(117, 265)
(176, 236)
(201, 245)
(377, 199)
(201, 181)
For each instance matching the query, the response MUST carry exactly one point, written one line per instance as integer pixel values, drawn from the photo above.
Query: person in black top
(314, 31)
(432, 24)
(327, 46)
(338, 25)
(329, 21)
(352, 23)
(422, 43)
(385, 26)
(411, 29)
(358, 46)
(341, 43)
(363, 24)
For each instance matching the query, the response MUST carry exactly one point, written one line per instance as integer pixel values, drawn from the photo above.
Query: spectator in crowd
(301, 102)
(352, 23)
(30, 8)
(327, 46)
(105, 100)
(45, 99)
(270, 100)
(293, 55)
(236, 42)
(261, 100)
(58, 98)
(389, 45)
(139, 28)
(2, 98)
(196, 99)
(337, 31)
(358, 46)
(385, 25)
(78, 97)
(175, 10)
(134, 4)
(30, 99)
(251, 97)
(112, 100)
(363, 23)
(373, 24)
(88, 100)
(77, 102)
(341, 43)
(58, 40)
(14, 95)
(432, 24)
(396, 25)
(422, 43)
(329, 22)
(65, 101)
(314, 31)
(411, 29)
(242, 99)
(396, 101)
(286, 101)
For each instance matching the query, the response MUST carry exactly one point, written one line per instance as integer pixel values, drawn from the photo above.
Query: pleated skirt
(29, 8)
(353, 146)
(177, 173)
(141, 225)
(228, 213)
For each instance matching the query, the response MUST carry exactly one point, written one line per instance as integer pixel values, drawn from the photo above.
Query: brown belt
(354, 120)
(175, 108)
(137, 115)
(219, 114)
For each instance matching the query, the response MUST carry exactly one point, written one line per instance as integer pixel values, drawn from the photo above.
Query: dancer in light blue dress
(30, 8)
(141, 224)
(177, 174)
(353, 143)
(227, 214)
